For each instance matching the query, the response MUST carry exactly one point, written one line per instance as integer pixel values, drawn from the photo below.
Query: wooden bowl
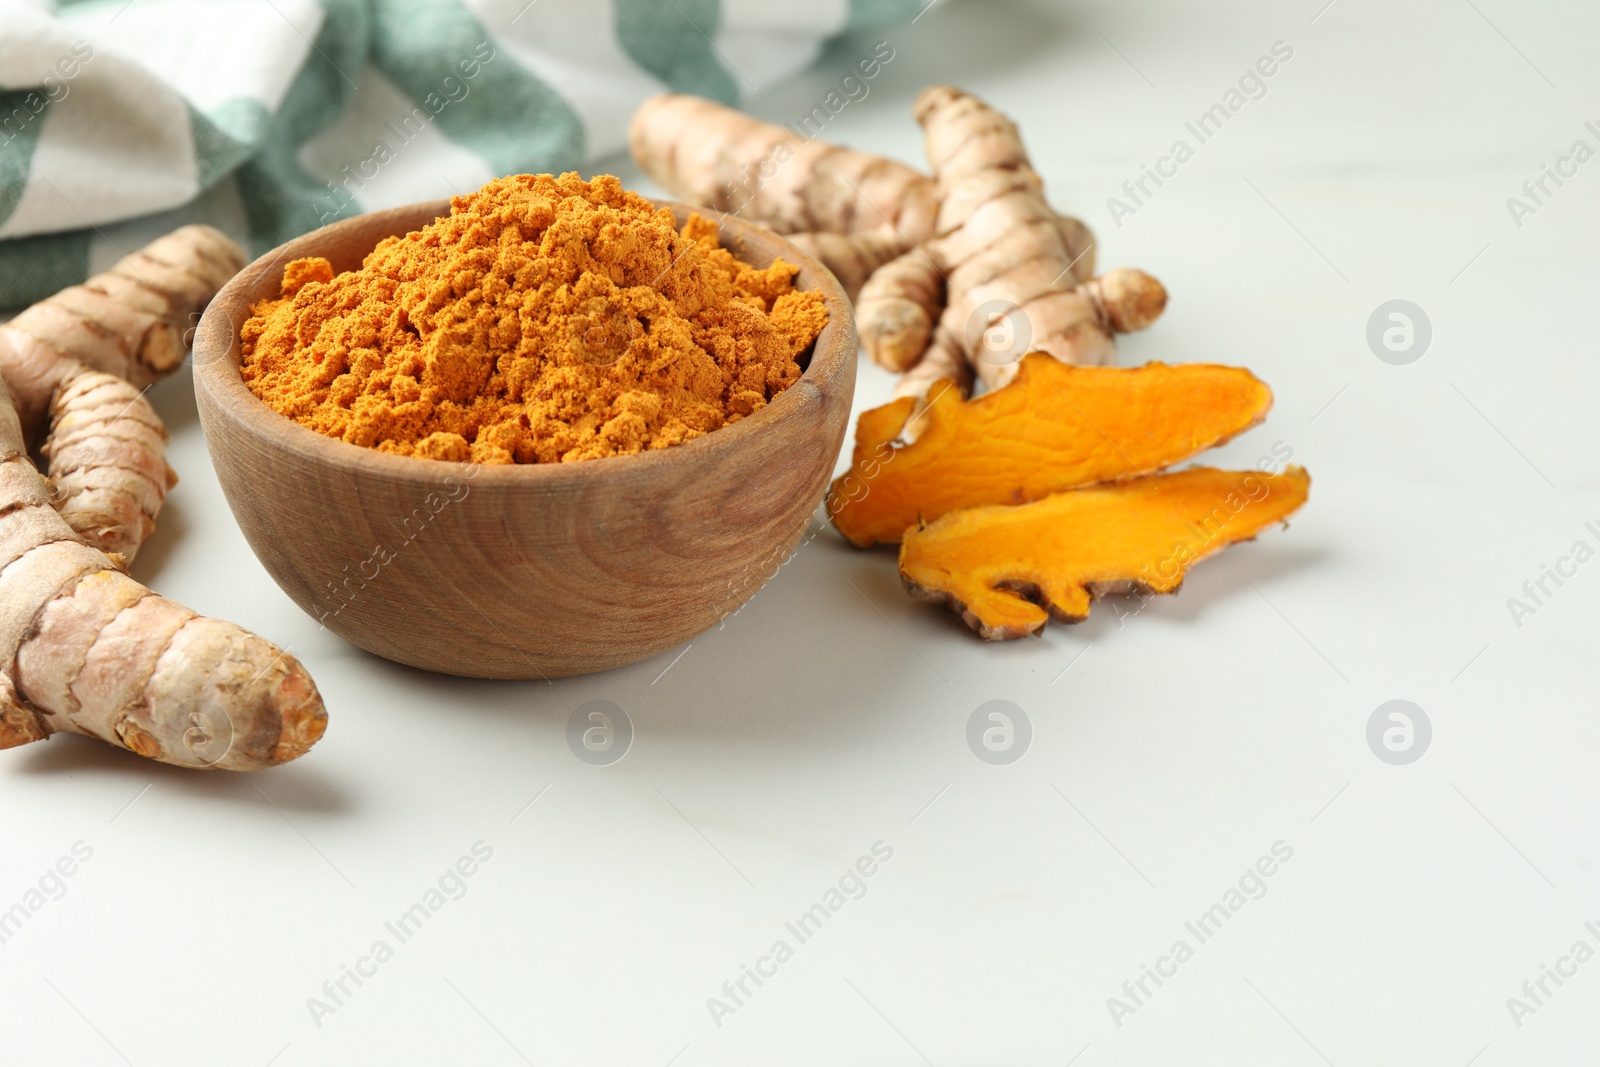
(529, 570)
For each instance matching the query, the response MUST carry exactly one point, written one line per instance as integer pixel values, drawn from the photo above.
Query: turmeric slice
(1006, 570)
(1055, 427)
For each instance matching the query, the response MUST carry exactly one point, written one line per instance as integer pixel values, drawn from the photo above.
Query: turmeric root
(1088, 317)
(1007, 570)
(107, 468)
(78, 362)
(988, 239)
(1055, 427)
(892, 324)
(131, 320)
(1020, 244)
(713, 156)
(943, 368)
(852, 257)
(1003, 249)
(898, 308)
(86, 649)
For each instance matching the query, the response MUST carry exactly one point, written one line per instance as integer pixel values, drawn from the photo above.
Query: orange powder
(544, 320)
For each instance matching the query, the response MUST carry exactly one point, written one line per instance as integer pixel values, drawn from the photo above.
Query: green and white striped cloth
(120, 119)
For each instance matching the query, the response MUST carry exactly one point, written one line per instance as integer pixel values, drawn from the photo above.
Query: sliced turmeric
(1007, 570)
(1055, 427)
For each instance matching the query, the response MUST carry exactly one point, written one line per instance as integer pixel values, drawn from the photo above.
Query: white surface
(1179, 747)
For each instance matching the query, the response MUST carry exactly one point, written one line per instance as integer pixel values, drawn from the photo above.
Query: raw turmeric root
(107, 466)
(1007, 570)
(86, 649)
(132, 319)
(1055, 427)
(852, 257)
(898, 308)
(1089, 316)
(942, 369)
(1004, 251)
(713, 156)
(903, 300)
(77, 363)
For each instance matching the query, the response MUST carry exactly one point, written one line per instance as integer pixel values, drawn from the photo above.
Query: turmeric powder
(543, 320)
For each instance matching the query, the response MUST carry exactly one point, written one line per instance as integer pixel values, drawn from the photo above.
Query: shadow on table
(295, 787)
(802, 664)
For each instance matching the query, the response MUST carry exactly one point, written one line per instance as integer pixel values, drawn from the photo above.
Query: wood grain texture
(527, 571)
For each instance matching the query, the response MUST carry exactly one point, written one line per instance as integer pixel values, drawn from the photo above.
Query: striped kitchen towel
(120, 119)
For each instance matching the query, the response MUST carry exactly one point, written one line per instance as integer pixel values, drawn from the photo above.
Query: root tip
(303, 715)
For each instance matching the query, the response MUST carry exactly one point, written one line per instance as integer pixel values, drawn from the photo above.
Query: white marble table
(1173, 748)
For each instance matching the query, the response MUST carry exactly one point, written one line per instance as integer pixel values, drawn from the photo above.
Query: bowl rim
(218, 362)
